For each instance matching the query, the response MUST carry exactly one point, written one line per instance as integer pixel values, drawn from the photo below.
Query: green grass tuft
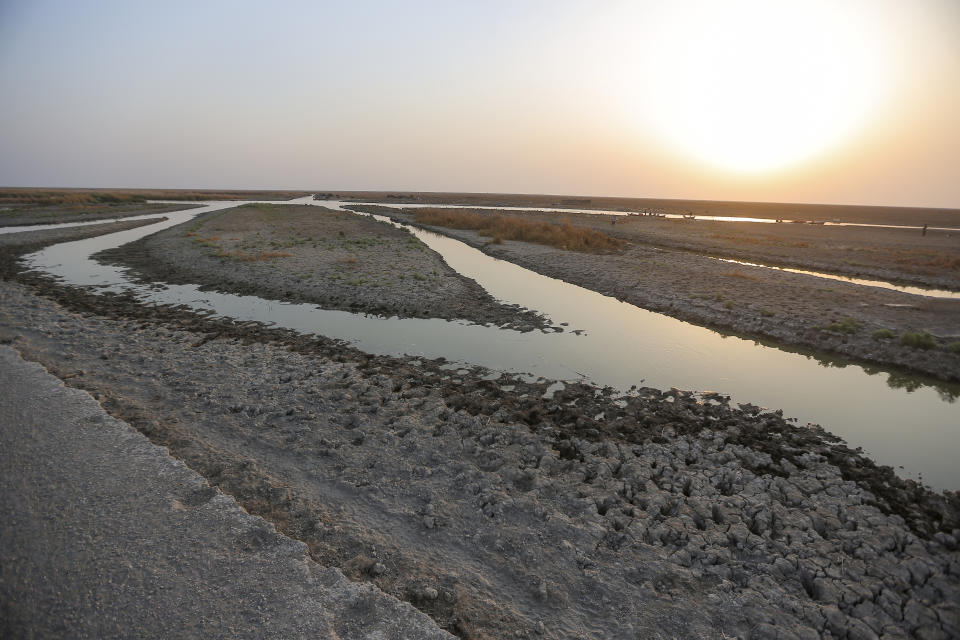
(918, 340)
(847, 325)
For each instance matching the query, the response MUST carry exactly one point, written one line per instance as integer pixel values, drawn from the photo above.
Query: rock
(858, 630)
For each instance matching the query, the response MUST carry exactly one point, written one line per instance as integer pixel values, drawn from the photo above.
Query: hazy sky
(853, 101)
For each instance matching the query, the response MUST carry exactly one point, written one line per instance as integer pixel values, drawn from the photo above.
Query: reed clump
(561, 235)
(79, 199)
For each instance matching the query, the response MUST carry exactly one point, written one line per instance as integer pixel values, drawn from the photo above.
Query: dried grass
(740, 274)
(85, 198)
(561, 235)
(252, 257)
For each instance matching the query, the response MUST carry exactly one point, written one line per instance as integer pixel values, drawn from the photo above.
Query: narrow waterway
(899, 420)
(63, 225)
(880, 284)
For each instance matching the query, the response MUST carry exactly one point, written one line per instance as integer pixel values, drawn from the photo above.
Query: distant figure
(924, 232)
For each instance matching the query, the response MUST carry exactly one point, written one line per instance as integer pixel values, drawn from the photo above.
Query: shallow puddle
(898, 419)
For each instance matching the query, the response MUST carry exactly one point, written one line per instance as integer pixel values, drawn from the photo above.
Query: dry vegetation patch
(739, 274)
(562, 235)
(74, 198)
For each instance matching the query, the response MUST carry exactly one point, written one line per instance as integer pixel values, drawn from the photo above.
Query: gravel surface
(309, 254)
(106, 536)
(790, 308)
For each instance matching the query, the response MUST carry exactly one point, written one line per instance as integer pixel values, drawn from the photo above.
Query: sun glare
(758, 86)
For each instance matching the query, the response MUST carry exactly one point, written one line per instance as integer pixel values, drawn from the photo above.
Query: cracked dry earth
(404, 475)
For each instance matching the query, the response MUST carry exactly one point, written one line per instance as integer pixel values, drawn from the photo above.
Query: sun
(757, 86)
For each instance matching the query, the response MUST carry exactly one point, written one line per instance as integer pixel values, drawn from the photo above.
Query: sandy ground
(83, 556)
(667, 269)
(500, 510)
(308, 254)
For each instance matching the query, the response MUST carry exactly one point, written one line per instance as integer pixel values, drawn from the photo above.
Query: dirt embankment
(503, 511)
(864, 323)
(309, 254)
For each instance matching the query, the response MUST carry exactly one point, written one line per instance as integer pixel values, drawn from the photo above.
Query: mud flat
(668, 268)
(28, 216)
(505, 508)
(856, 214)
(331, 258)
(13, 245)
(31, 206)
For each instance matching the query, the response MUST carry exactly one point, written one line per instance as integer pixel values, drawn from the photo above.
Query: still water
(880, 284)
(898, 419)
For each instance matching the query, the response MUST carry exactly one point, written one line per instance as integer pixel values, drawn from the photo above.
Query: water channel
(905, 421)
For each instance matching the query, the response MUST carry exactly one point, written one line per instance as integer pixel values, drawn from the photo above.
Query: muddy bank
(13, 245)
(863, 323)
(26, 216)
(307, 254)
(501, 512)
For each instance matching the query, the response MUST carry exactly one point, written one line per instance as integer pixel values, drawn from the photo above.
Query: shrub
(918, 340)
(954, 347)
(882, 334)
(847, 325)
(766, 313)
